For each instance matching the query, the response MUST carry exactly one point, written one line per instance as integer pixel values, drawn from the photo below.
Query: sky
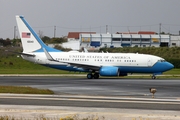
(97, 16)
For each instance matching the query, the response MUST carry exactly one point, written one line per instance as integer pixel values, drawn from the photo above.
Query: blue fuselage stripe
(157, 68)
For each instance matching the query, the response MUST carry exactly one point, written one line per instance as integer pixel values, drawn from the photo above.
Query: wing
(75, 64)
(84, 66)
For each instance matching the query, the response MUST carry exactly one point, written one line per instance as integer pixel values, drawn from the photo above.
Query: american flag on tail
(26, 35)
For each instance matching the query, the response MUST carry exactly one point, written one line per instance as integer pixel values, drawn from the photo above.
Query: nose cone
(168, 66)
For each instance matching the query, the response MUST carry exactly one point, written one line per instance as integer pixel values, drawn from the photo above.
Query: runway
(90, 101)
(109, 97)
(124, 87)
(129, 93)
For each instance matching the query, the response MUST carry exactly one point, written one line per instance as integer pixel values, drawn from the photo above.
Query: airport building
(175, 41)
(140, 39)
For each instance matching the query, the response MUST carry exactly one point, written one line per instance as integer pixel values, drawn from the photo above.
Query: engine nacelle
(109, 71)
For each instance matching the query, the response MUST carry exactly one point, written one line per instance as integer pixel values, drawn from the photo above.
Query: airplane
(96, 64)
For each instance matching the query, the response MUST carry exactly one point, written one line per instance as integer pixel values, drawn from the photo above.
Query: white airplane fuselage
(103, 64)
(126, 62)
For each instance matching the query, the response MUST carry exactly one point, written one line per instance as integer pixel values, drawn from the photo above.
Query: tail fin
(30, 40)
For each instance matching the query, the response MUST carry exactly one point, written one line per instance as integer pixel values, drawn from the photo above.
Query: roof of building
(140, 32)
(76, 34)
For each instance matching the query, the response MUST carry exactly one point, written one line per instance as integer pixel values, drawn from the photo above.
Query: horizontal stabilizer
(27, 54)
(32, 55)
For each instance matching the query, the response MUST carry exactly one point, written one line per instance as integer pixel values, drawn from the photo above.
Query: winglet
(85, 50)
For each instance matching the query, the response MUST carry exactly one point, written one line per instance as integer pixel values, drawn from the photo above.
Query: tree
(7, 42)
(1, 42)
(58, 40)
(16, 42)
(46, 39)
(59, 47)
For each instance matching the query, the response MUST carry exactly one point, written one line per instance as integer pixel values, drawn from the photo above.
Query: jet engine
(109, 71)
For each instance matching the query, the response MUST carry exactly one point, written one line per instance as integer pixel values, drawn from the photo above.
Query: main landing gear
(153, 77)
(91, 75)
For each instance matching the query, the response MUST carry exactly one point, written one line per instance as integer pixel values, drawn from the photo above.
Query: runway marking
(91, 99)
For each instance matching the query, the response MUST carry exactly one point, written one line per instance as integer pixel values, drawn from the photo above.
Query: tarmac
(41, 112)
(79, 113)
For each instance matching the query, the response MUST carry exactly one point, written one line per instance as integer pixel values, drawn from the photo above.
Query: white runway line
(91, 98)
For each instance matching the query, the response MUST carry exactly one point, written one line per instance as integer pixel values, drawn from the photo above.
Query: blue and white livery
(96, 64)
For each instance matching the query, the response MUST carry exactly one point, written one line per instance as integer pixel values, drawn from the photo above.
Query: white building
(175, 41)
(73, 44)
(74, 41)
(123, 40)
(92, 40)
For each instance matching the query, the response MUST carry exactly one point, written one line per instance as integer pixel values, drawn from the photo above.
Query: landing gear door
(149, 62)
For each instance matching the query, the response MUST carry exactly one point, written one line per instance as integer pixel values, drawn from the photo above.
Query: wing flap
(84, 66)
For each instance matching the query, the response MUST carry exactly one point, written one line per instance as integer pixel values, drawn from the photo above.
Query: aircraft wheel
(89, 75)
(153, 77)
(96, 75)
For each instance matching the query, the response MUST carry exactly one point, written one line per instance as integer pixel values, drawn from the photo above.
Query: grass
(172, 72)
(24, 90)
(32, 71)
(17, 65)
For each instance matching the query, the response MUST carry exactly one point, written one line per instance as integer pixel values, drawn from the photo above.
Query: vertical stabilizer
(30, 40)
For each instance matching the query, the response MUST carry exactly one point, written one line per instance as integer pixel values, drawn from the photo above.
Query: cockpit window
(161, 60)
